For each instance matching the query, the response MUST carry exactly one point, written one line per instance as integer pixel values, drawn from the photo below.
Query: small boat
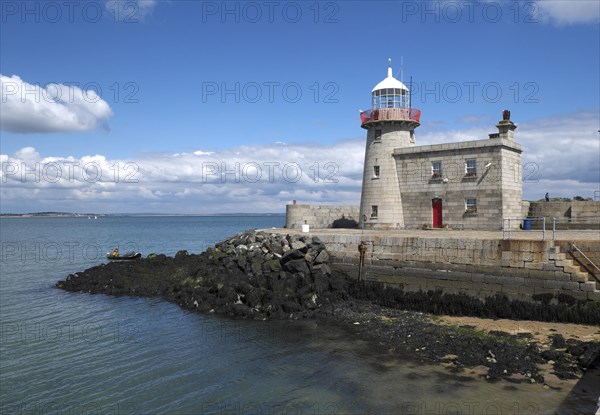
(125, 257)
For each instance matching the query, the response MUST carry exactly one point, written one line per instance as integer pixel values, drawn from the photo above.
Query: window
(374, 211)
(377, 134)
(471, 167)
(375, 171)
(471, 205)
(390, 98)
(436, 169)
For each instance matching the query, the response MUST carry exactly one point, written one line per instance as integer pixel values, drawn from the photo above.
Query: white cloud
(567, 12)
(561, 156)
(27, 108)
(243, 179)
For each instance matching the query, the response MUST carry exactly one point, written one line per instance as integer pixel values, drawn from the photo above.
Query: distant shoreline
(116, 215)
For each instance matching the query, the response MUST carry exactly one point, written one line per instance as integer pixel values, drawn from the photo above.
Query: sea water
(76, 353)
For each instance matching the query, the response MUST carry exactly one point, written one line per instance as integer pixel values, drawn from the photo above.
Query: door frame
(437, 207)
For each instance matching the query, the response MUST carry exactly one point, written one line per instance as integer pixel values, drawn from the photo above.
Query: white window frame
(471, 205)
(471, 172)
(436, 173)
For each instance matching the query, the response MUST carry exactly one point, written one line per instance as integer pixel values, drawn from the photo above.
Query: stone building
(469, 185)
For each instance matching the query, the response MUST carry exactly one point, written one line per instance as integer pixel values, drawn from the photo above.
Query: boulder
(292, 255)
(299, 246)
(297, 266)
(322, 257)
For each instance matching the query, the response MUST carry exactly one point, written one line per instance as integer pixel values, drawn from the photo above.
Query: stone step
(564, 263)
(580, 277)
(557, 256)
(588, 286)
(572, 269)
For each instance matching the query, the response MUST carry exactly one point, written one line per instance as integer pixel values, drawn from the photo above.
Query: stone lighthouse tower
(390, 124)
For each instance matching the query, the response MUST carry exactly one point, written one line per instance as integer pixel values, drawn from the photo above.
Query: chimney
(506, 128)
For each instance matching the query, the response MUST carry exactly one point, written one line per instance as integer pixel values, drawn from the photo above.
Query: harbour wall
(576, 214)
(520, 269)
(320, 216)
(584, 214)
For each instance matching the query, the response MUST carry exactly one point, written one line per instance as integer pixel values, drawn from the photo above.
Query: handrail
(576, 248)
(506, 231)
(391, 114)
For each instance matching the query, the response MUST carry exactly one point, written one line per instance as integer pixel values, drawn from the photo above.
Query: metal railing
(391, 114)
(576, 248)
(507, 227)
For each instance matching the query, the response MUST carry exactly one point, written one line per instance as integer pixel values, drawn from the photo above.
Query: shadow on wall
(344, 223)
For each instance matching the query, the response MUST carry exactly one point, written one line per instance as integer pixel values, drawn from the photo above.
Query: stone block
(532, 282)
(549, 267)
(456, 267)
(544, 290)
(572, 269)
(553, 284)
(526, 291)
(493, 270)
(558, 256)
(578, 277)
(588, 286)
(579, 295)
(571, 286)
(594, 296)
(480, 278)
(514, 281)
(560, 276)
(513, 272)
(534, 265)
(517, 264)
(528, 256)
(533, 273)
(384, 270)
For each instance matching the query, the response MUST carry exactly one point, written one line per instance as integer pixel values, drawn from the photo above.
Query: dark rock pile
(259, 275)
(254, 275)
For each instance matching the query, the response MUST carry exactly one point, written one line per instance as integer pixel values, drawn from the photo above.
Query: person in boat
(115, 252)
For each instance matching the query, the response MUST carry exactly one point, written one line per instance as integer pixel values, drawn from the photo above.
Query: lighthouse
(390, 125)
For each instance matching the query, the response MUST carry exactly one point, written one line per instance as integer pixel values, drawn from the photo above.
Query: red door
(436, 206)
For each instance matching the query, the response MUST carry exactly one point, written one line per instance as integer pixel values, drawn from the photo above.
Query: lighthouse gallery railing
(391, 114)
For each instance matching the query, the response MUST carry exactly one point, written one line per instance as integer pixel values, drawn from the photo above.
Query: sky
(200, 107)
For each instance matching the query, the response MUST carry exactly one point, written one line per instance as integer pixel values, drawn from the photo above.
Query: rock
(299, 246)
(254, 297)
(297, 266)
(181, 254)
(558, 341)
(321, 269)
(291, 307)
(322, 257)
(256, 267)
(252, 274)
(272, 265)
(241, 310)
(310, 255)
(292, 255)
